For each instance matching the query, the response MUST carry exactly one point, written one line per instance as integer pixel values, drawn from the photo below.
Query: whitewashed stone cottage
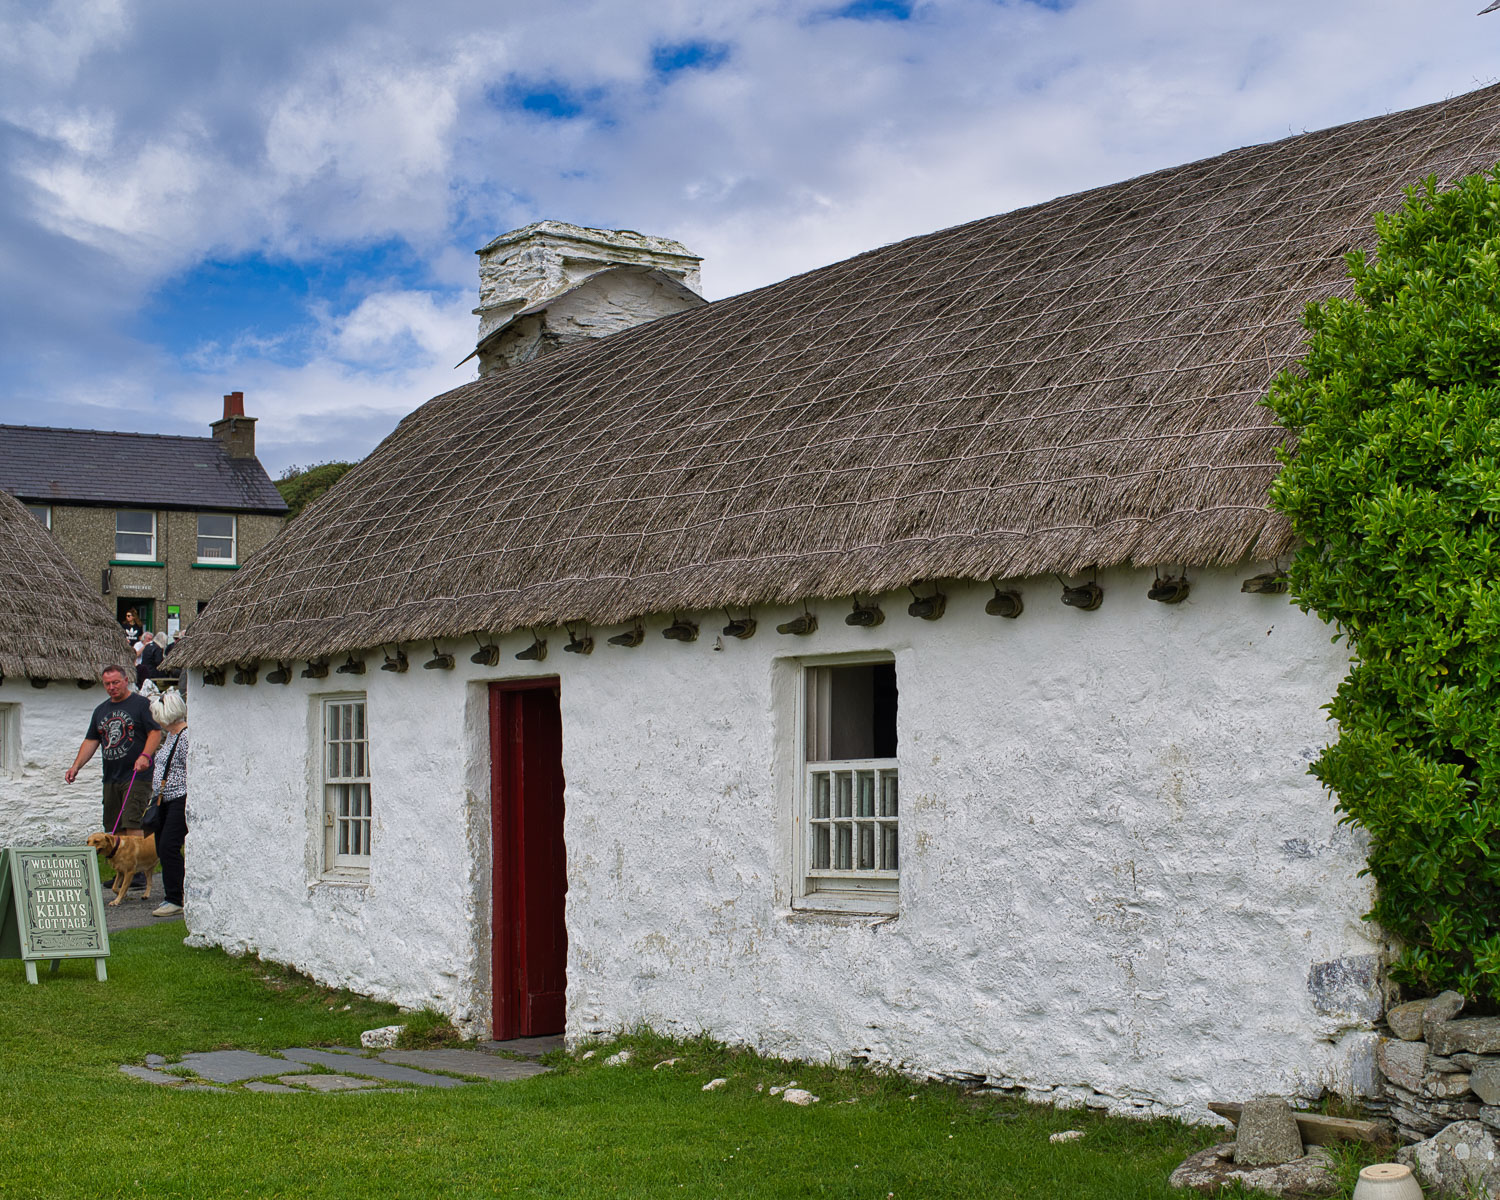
(862, 666)
(55, 635)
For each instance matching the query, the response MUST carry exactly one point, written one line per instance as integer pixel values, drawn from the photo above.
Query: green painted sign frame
(52, 906)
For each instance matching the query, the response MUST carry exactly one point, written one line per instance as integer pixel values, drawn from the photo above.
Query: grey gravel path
(133, 914)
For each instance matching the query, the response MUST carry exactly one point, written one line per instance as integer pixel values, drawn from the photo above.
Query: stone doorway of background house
(145, 609)
(529, 948)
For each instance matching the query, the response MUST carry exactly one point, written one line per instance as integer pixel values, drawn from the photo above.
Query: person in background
(153, 650)
(169, 776)
(132, 625)
(129, 735)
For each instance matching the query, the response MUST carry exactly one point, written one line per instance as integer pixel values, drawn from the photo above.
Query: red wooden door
(530, 944)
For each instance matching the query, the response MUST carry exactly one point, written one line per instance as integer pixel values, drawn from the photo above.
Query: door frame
(507, 875)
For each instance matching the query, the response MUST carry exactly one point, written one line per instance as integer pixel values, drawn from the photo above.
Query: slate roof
(149, 470)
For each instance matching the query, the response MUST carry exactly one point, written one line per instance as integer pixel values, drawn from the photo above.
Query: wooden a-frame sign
(52, 906)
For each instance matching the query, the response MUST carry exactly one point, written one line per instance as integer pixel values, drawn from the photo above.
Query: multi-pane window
(135, 534)
(216, 538)
(851, 802)
(346, 783)
(42, 512)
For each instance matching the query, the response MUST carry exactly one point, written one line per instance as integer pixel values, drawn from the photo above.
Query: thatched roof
(1068, 385)
(52, 624)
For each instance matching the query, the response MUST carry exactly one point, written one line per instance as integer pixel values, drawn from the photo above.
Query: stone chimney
(235, 429)
(551, 284)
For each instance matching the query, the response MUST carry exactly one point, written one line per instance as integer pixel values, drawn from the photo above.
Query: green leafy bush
(300, 486)
(1395, 486)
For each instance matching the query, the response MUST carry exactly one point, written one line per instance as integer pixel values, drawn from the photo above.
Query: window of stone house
(849, 836)
(10, 740)
(42, 512)
(216, 538)
(346, 784)
(135, 534)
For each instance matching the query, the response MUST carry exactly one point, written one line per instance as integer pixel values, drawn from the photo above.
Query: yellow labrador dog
(127, 854)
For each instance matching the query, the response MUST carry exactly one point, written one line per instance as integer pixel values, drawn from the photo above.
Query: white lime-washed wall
(1119, 886)
(40, 730)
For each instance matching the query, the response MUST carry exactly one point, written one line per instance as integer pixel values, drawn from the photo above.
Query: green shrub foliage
(1395, 486)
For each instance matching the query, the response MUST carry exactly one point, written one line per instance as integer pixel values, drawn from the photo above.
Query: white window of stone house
(849, 851)
(346, 784)
(42, 512)
(135, 534)
(216, 538)
(10, 741)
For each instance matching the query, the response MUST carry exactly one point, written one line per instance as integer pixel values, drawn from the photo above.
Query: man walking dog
(124, 728)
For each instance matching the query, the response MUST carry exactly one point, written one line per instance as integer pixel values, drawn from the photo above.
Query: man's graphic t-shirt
(121, 729)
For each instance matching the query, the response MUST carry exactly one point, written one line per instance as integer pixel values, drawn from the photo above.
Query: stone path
(132, 913)
(339, 1069)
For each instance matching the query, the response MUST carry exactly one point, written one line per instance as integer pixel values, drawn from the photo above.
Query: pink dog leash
(128, 789)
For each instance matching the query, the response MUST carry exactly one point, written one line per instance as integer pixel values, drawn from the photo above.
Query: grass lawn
(72, 1125)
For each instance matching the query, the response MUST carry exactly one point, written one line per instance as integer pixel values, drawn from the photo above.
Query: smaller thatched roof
(52, 624)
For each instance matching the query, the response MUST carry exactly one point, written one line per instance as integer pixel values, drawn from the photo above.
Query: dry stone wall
(1441, 1089)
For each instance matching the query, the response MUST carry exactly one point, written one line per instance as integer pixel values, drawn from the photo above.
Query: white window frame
(120, 555)
(42, 513)
(345, 808)
(233, 539)
(871, 891)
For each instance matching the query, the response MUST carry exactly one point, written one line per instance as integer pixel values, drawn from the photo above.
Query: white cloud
(136, 143)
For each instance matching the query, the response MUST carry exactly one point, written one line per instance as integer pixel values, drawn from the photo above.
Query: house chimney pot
(235, 430)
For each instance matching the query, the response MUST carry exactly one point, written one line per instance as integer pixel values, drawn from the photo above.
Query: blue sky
(284, 200)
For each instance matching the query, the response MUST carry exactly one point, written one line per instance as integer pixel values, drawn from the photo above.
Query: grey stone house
(157, 522)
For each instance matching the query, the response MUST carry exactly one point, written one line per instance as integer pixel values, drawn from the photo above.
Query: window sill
(342, 877)
(881, 903)
(134, 562)
(823, 916)
(201, 566)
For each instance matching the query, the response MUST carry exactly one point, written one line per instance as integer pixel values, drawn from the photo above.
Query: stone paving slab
(330, 1083)
(372, 1067)
(230, 1066)
(257, 1085)
(149, 1075)
(465, 1062)
(528, 1047)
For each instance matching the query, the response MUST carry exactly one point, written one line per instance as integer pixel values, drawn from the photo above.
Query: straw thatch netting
(1067, 385)
(52, 625)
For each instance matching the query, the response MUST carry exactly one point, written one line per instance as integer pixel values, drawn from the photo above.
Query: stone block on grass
(1211, 1170)
(1267, 1133)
